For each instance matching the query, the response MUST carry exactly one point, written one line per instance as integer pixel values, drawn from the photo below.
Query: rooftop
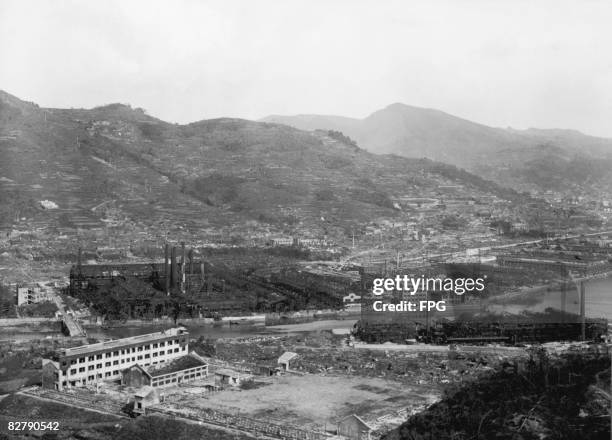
(118, 343)
(182, 363)
(144, 391)
(227, 372)
(360, 421)
(287, 356)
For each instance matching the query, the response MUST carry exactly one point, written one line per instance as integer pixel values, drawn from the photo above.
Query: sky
(518, 63)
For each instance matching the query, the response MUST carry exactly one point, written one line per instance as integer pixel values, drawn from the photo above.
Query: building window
(154, 345)
(115, 362)
(162, 344)
(73, 371)
(107, 374)
(107, 364)
(90, 358)
(107, 355)
(140, 348)
(147, 347)
(116, 353)
(81, 360)
(98, 365)
(176, 350)
(147, 356)
(161, 353)
(81, 370)
(140, 357)
(99, 356)
(183, 349)
(91, 367)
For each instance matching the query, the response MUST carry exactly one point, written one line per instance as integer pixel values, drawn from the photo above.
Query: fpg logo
(440, 306)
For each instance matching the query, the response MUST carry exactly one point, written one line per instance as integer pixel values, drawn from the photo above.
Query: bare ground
(315, 400)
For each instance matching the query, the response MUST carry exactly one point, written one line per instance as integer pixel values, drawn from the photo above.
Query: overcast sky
(503, 63)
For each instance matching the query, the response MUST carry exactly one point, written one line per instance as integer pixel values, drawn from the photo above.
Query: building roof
(287, 356)
(144, 391)
(119, 343)
(180, 364)
(138, 366)
(359, 420)
(227, 372)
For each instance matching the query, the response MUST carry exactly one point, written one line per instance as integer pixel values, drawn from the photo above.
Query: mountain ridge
(204, 173)
(505, 155)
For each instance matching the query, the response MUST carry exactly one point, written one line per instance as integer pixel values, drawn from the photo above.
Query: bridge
(71, 326)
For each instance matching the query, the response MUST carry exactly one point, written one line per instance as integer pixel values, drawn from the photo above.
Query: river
(225, 331)
(598, 302)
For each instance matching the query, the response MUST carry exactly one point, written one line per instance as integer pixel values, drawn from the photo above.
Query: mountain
(117, 167)
(505, 155)
(414, 132)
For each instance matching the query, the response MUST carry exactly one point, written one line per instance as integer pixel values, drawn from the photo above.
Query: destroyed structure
(466, 319)
(186, 285)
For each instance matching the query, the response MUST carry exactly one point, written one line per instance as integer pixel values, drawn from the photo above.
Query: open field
(314, 400)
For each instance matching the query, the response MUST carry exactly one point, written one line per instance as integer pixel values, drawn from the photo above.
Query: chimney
(202, 277)
(173, 271)
(167, 267)
(183, 262)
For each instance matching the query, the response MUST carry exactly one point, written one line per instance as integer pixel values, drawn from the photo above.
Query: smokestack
(167, 267)
(190, 273)
(182, 276)
(173, 271)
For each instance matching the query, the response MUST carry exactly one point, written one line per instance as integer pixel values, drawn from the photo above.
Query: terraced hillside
(115, 164)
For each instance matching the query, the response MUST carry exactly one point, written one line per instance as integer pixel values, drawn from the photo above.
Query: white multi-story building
(33, 294)
(104, 361)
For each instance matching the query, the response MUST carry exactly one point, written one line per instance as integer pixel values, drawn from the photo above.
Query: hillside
(115, 164)
(504, 155)
(414, 132)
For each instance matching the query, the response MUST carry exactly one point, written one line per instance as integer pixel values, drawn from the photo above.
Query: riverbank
(268, 319)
